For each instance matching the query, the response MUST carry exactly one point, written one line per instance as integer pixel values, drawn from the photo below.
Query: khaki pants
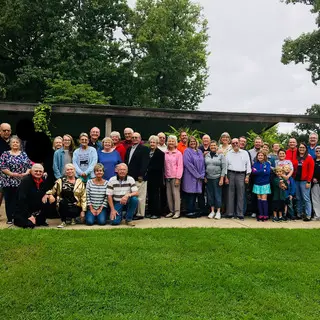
(173, 196)
(142, 189)
(315, 195)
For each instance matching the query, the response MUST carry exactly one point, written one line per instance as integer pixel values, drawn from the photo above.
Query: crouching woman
(70, 194)
(32, 201)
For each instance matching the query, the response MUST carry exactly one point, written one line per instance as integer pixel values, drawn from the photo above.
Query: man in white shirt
(162, 142)
(238, 173)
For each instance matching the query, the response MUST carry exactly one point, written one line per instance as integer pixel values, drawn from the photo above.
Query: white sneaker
(176, 216)
(73, 222)
(218, 216)
(211, 215)
(254, 215)
(62, 225)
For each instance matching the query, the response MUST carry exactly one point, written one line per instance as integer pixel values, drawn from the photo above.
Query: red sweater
(307, 168)
(122, 150)
(291, 154)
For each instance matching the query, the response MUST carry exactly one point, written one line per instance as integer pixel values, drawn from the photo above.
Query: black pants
(154, 190)
(164, 209)
(10, 198)
(24, 222)
(67, 212)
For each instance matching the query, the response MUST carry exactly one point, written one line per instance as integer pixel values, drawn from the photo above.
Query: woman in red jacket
(303, 172)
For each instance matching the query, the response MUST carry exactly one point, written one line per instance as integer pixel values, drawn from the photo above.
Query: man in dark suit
(137, 160)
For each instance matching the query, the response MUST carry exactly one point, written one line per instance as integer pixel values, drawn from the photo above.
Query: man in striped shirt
(122, 193)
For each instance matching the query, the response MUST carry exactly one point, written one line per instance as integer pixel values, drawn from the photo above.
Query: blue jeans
(214, 193)
(303, 198)
(101, 218)
(131, 208)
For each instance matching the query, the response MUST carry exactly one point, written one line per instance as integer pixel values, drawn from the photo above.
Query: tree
(63, 91)
(168, 45)
(306, 48)
(70, 40)
(311, 127)
(2, 86)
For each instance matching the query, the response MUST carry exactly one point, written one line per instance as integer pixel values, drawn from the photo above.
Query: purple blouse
(18, 164)
(193, 171)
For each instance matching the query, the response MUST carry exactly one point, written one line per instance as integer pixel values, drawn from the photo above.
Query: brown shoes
(130, 224)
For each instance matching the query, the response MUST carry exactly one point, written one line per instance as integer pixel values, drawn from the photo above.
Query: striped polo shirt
(96, 194)
(119, 188)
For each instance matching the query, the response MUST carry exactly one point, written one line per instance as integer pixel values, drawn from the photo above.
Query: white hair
(155, 138)
(313, 134)
(115, 134)
(128, 129)
(37, 166)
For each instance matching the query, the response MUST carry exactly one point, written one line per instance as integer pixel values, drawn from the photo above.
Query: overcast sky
(246, 74)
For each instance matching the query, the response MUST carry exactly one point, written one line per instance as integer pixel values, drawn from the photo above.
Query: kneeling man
(122, 193)
(32, 201)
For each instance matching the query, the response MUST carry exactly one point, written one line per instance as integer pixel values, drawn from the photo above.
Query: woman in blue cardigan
(63, 156)
(84, 159)
(261, 171)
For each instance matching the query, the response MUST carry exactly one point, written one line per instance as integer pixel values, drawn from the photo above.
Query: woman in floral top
(14, 165)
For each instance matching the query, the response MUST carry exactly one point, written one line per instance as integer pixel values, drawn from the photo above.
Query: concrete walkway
(202, 222)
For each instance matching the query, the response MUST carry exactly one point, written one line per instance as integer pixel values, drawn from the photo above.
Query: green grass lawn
(160, 274)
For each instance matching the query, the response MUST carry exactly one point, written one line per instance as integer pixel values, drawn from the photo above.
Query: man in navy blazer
(137, 159)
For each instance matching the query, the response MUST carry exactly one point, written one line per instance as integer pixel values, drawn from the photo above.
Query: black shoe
(192, 215)
(307, 219)
(138, 218)
(9, 222)
(148, 216)
(154, 217)
(241, 218)
(298, 217)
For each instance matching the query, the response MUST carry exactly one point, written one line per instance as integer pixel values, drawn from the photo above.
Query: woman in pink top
(173, 169)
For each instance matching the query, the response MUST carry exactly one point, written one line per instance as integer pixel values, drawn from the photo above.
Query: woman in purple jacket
(261, 170)
(193, 175)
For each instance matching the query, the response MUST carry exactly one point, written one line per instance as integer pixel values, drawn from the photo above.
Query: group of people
(114, 181)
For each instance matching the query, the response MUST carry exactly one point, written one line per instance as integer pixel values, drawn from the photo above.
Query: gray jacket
(215, 166)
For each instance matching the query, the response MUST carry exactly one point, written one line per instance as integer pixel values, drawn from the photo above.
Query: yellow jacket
(79, 192)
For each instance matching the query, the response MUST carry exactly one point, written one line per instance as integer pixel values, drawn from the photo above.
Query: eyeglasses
(135, 137)
(317, 150)
(234, 142)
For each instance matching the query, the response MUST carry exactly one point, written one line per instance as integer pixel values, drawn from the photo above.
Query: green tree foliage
(153, 55)
(2, 86)
(63, 91)
(169, 39)
(71, 40)
(306, 48)
(41, 118)
(311, 127)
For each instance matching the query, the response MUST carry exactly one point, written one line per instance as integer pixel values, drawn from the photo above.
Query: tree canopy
(153, 55)
(306, 48)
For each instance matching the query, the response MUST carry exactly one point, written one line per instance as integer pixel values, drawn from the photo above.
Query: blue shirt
(109, 160)
(312, 152)
(261, 173)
